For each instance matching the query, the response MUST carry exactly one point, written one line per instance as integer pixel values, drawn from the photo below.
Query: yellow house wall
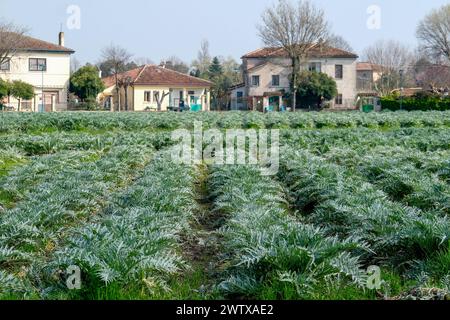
(139, 98)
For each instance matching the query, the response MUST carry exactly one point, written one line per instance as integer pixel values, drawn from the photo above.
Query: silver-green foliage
(135, 240)
(346, 205)
(266, 245)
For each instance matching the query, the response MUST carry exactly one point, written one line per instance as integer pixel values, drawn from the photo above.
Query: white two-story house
(44, 65)
(267, 73)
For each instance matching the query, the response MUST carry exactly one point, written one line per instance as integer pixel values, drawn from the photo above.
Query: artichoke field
(100, 192)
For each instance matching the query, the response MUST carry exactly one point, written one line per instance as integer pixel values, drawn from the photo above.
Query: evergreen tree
(215, 69)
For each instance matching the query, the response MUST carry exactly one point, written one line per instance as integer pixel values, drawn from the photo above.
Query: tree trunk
(18, 105)
(118, 99)
(159, 100)
(294, 84)
(126, 98)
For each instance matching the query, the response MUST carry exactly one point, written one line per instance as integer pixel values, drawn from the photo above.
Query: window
(5, 66)
(240, 96)
(276, 81)
(191, 93)
(315, 66)
(339, 71)
(155, 96)
(38, 64)
(338, 99)
(255, 81)
(147, 96)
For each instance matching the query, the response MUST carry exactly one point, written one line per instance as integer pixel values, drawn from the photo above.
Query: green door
(274, 103)
(196, 104)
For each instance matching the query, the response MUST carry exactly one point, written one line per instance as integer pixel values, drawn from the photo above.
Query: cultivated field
(100, 191)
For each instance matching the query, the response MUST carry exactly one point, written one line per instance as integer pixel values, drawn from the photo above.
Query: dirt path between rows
(203, 247)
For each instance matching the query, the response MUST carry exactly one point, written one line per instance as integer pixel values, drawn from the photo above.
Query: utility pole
(401, 89)
(42, 88)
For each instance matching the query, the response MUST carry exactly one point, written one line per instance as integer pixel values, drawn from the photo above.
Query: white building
(267, 73)
(44, 65)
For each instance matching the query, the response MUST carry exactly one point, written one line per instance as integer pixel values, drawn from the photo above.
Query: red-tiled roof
(367, 66)
(407, 92)
(316, 52)
(152, 75)
(133, 74)
(27, 43)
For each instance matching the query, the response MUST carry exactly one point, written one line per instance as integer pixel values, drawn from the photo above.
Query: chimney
(61, 39)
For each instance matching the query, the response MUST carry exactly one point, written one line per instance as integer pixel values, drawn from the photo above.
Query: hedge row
(414, 104)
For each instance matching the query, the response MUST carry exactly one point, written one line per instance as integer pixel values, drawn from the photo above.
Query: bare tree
(118, 58)
(339, 42)
(160, 98)
(12, 39)
(203, 61)
(176, 64)
(393, 61)
(74, 64)
(231, 70)
(434, 32)
(141, 61)
(125, 83)
(297, 28)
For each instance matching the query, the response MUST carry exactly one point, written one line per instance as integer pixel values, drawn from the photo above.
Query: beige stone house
(267, 71)
(148, 87)
(367, 74)
(44, 65)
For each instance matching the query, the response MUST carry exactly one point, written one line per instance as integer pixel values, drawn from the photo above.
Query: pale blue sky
(160, 28)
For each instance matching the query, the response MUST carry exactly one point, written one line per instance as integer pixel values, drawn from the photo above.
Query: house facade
(267, 72)
(155, 88)
(44, 65)
(367, 74)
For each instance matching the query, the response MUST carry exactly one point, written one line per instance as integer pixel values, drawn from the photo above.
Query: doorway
(274, 103)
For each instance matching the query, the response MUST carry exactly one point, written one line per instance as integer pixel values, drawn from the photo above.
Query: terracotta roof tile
(152, 75)
(316, 52)
(133, 74)
(367, 66)
(32, 44)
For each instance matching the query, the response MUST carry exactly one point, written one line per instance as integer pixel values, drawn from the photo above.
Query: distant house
(44, 65)
(267, 73)
(367, 74)
(433, 77)
(142, 88)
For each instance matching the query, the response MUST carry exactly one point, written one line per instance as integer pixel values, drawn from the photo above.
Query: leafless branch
(11, 40)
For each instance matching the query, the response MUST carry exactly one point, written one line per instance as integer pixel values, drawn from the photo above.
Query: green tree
(86, 82)
(218, 90)
(21, 91)
(4, 89)
(215, 69)
(314, 88)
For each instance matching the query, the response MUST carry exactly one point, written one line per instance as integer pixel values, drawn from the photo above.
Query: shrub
(420, 102)
(90, 104)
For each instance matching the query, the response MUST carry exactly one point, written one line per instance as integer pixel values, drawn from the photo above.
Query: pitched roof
(27, 43)
(407, 92)
(316, 52)
(152, 75)
(367, 66)
(133, 74)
